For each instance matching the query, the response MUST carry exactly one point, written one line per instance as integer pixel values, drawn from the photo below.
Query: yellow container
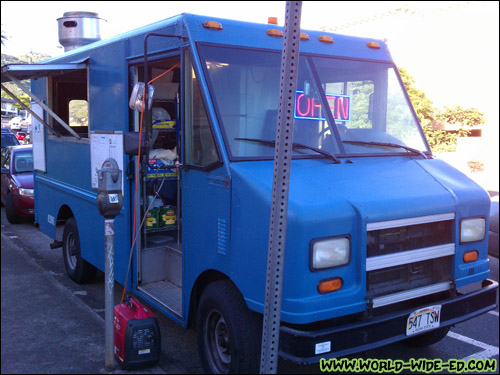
(152, 218)
(168, 216)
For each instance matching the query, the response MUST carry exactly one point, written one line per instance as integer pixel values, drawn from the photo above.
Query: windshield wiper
(394, 145)
(294, 146)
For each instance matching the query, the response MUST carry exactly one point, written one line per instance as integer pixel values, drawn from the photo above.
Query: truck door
(206, 189)
(159, 260)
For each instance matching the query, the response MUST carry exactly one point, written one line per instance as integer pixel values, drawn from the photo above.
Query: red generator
(137, 335)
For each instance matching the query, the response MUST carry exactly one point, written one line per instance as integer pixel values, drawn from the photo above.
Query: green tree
(457, 115)
(424, 106)
(439, 139)
(78, 113)
(24, 59)
(25, 99)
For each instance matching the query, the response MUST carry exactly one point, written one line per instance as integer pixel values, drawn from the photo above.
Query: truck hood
(378, 188)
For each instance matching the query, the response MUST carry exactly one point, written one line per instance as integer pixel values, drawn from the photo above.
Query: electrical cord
(134, 236)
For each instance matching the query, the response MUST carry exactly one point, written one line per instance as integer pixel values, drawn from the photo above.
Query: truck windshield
(344, 107)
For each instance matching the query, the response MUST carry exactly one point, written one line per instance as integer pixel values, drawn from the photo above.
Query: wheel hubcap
(217, 342)
(71, 251)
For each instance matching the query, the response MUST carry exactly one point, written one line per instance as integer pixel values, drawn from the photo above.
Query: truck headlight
(331, 252)
(472, 230)
(26, 192)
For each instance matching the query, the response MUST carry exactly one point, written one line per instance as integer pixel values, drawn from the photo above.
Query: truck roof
(247, 34)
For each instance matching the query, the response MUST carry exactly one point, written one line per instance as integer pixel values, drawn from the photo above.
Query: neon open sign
(310, 108)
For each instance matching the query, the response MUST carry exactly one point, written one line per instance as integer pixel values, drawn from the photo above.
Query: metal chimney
(77, 29)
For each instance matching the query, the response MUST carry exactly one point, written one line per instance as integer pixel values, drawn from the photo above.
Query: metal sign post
(109, 203)
(109, 277)
(281, 179)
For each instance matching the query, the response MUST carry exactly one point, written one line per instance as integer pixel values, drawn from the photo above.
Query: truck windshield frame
(366, 99)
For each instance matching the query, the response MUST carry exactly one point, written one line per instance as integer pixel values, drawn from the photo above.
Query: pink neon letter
(344, 108)
(297, 105)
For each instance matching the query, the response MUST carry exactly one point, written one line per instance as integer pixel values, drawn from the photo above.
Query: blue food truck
(385, 242)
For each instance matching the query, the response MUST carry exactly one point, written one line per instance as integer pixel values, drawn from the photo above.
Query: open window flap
(13, 96)
(17, 72)
(30, 71)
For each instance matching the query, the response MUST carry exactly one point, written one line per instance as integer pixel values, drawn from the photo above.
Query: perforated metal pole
(109, 285)
(281, 179)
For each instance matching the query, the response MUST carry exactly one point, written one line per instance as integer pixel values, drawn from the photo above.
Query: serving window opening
(68, 98)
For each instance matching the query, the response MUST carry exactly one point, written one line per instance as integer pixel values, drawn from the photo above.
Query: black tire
(429, 338)
(10, 211)
(228, 333)
(78, 269)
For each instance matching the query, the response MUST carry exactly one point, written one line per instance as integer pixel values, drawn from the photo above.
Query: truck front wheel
(228, 332)
(79, 270)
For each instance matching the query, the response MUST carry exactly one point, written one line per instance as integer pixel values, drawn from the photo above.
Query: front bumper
(299, 346)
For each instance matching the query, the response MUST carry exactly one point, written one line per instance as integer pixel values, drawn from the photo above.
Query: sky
(451, 48)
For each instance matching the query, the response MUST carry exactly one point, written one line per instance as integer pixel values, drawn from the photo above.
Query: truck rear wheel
(428, 338)
(79, 270)
(228, 332)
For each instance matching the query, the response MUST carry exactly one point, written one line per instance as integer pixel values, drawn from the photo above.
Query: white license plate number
(423, 320)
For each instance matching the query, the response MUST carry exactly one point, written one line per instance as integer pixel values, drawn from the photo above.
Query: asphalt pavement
(48, 330)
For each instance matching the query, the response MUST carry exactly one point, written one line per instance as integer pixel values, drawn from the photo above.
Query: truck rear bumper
(300, 346)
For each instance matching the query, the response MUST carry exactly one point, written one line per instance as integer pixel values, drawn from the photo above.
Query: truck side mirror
(137, 97)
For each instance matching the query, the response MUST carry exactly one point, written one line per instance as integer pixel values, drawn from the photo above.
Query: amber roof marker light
(274, 32)
(374, 45)
(272, 20)
(212, 25)
(325, 39)
(304, 36)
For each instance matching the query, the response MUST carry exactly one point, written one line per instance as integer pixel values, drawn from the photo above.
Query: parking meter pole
(109, 277)
(109, 203)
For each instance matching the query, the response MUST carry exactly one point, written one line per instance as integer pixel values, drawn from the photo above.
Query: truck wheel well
(63, 215)
(200, 284)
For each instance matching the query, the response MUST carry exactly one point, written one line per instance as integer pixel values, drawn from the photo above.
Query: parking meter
(109, 196)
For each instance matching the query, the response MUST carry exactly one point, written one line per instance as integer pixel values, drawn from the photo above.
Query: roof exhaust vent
(77, 29)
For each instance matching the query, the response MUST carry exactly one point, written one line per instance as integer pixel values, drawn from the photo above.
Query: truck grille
(405, 258)
(393, 240)
(408, 276)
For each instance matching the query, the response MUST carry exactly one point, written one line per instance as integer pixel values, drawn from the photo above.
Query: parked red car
(20, 136)
(17, 183)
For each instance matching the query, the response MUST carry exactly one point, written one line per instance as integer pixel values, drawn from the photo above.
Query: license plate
(423, 320)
